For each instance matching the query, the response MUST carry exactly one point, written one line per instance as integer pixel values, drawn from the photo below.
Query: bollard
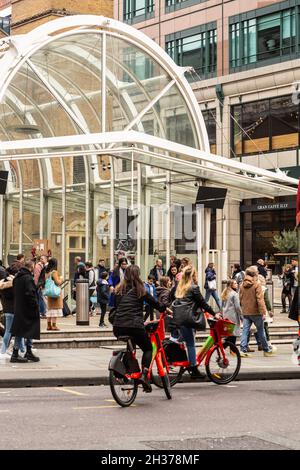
(82, 302)
(270, 287)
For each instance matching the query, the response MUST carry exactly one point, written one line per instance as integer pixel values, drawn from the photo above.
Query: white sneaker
(4, 356)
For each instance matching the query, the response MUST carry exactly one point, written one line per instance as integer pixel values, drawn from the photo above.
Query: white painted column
(224, 253)
(200, 243)
(168, 220)
(113, 213)
(2, 225)
(139, 216)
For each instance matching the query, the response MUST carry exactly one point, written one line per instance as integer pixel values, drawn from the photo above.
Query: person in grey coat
(231, 307)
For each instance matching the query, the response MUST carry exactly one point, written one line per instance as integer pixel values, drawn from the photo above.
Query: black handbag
(186, 313)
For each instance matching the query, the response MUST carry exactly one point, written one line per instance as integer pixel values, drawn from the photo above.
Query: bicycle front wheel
(175, 375)
(161, 375)
(123, 390)
(217, 370)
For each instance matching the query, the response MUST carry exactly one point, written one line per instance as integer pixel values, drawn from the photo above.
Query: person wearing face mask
(231, 307)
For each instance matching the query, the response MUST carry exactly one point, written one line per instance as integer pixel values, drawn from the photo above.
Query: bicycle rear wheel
(219, 372)
(123, 390)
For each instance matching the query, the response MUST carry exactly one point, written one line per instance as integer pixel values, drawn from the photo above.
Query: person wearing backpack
(54, 304)
(39, 280)
(103, 289)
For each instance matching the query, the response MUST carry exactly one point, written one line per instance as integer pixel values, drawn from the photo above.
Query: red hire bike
(124, 370)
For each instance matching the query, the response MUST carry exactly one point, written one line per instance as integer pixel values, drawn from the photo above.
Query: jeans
(19, 342)
(42, 305)
(188, 337)
(9, 318)
(259, 323)
(215, 295)
(103, 312)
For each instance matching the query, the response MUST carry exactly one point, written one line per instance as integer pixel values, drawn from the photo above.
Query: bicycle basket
(225, 327)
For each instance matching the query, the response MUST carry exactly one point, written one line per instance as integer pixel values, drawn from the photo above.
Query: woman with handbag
(128, 316)
(53, 293)
(186, 313)
(210, 285)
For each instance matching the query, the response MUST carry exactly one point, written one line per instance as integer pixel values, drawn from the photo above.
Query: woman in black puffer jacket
(130, 297)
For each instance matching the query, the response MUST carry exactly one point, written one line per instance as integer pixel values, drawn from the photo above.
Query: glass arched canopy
(92, 109)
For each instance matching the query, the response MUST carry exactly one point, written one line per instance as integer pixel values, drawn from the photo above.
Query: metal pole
(113, 215)
(2, 226)
(199, 235)
(139, 215)
(168, 220)
(63, 218)
(298, 236)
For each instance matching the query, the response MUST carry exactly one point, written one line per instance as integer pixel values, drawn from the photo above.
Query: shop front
(261, 220)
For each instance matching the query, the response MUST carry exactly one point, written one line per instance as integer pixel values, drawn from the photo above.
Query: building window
(195, 50)
(209, 116)
(138, 10)
(5, 24)
(78, 169)
(268, 125)
(263, 39)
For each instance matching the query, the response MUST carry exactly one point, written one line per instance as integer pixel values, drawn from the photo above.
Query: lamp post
(298, 238)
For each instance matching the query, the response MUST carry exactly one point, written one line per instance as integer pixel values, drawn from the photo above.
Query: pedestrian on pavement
(254, 311)
(262, 269)
(26, 322)
(158, 271)
(238, 274)
(173, 274)
(163, 292)
(2, 271)
(54, 304)
(115, 277)
(172, 262)
(103, 296)
(188, 290)
(39, 279)
(100, 268)
(130, 297)
(151, 290)
(287, 284)
(7, 297)
(21, 258)
(210, 285)
(79, 274)
(184, 262)
(232, 308)
(92, 283)
(295, 275)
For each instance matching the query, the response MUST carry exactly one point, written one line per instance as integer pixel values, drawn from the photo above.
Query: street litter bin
(82, 302)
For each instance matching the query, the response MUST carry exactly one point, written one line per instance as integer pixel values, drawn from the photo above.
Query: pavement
(89, 366)
(79, 367)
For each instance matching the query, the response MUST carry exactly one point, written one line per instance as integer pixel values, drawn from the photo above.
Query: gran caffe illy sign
(272, 206)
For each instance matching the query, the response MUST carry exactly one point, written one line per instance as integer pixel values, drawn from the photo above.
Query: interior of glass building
(105, 148)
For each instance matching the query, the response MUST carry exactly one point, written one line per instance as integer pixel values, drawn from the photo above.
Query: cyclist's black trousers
(140, 338)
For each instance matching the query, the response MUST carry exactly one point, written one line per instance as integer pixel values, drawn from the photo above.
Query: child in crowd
(103, 290)
(151, 290)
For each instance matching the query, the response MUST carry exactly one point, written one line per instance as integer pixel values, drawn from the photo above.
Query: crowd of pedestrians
(30, 290)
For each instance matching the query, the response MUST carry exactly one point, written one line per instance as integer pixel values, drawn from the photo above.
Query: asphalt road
(244, 415)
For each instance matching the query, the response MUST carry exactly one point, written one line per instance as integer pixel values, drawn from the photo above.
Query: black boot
(16, 358)
(30, 356)
(145, 381)
(195, 373)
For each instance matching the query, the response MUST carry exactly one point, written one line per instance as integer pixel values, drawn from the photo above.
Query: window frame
(130, 10)
(271, 149)
(174, 45)
(238, 60)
